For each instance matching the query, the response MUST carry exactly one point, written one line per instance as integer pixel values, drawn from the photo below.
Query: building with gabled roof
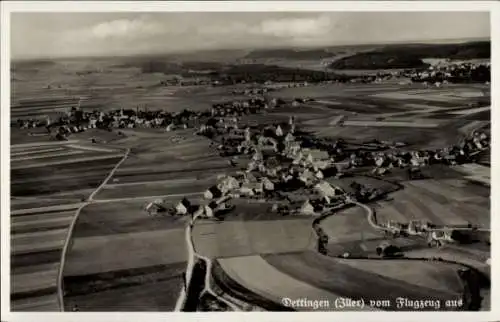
(307, 208)
(268, 185)
(212, 193)
(325, 189)
(183, 207)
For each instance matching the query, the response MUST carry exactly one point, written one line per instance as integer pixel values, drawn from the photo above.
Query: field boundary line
(60, 291)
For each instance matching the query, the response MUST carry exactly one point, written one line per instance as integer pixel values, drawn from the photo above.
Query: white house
(325, 189)
(182, 208)
(307, 208)
(229, 183)
(212, 193)
(268, 185)
(279, 131)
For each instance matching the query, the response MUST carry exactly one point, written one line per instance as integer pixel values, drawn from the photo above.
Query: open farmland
(244, 238)
(150, 268)
(443, 202)
(119, 258)
(37, 239)
(43, 205)
(260, 277)
(425, 281)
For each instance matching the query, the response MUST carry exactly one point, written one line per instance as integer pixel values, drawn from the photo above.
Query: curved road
(372, 221)
(192, 256)
(67, 242)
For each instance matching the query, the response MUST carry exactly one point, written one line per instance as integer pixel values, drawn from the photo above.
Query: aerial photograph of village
(250, 161)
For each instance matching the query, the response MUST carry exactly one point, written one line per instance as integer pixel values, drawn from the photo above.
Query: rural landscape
(334, 178)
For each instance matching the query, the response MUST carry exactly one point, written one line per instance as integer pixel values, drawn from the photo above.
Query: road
(370, 215)
(192, 257)
(60, 285)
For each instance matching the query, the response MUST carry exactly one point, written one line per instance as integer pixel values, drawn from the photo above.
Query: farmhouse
(183, 207)
(153, 208)
(307, 208)
(251, 188)
(324, 189)
(228, 184)
(268, 185)
(212, 193)
(307, 177)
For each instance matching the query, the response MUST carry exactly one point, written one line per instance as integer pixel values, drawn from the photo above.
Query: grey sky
(70, 34)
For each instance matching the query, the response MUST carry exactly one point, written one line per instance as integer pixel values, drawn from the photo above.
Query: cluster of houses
(463, 152)
(252, 91)
(77, 120)
(453, 73)
(242, 107)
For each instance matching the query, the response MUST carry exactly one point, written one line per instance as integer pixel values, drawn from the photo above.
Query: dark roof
(185, 202)
(214, 190)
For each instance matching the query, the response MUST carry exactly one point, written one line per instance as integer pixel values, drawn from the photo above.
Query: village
(274, 166)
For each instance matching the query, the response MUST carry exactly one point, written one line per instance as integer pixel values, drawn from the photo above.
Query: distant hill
(31, 64)
(290, 54)
(411, 55)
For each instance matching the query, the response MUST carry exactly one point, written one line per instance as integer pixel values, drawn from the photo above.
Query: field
(352, 277)
(243, 238)
(443, 202)
(121, 259)
(48, 183)
(147, 277)
(37, 238)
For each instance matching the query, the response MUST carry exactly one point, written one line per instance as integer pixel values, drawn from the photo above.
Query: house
(320, 164)
(228, 184)
(298, 158)
(289, 137)
(307, 208)
(212, 193)
(307, 177)
(252, 188)
(279, 131)
(268, 185)
(209, 210)
(246, 190)
(325, 189)
(183, 207)
(154, 207)
(319, 154)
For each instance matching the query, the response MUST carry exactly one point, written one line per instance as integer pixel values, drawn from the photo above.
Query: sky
(35, 35)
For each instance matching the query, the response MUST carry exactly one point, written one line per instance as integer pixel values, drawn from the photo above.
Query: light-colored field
(437, 201)
(438, 276)
(39, 280)
(475, 169)
(262, 278)
(35, 151)
(46, 303)
(62, 160)
(451, 255)
(168, 187)
(46, 155)
(391, 124)
(98, 254)
(243, 238)
(37, 237)
(348, 225)
(366, 279)
(430, 95)
(471, 111)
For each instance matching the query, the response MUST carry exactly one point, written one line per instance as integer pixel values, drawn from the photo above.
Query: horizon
(416, 42)
(79, 35)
